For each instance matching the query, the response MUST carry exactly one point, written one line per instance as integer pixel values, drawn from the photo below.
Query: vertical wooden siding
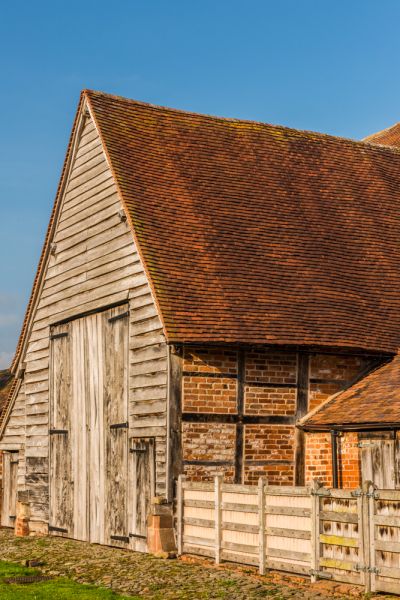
(95, 264)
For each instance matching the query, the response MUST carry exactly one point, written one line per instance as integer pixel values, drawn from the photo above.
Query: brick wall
(319, 459)
(331, 373)
(239, 410)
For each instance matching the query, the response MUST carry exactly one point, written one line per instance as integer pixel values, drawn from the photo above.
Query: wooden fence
(347, 536)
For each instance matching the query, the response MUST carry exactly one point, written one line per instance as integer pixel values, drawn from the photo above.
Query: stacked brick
(319, 459)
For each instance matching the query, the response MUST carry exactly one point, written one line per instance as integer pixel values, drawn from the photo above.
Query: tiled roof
(255, 233)
(373, 401)
(386, 137)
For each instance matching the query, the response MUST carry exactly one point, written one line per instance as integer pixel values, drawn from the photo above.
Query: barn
(204, 283)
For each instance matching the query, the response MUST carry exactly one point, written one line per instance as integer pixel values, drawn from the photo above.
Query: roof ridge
(309, 132)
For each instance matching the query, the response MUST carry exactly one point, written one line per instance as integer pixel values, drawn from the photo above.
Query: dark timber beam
(239, 450)
(301, 410)
(174, 450)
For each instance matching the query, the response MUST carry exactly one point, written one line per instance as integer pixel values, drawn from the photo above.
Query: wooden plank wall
(95, 264)
(148, 377)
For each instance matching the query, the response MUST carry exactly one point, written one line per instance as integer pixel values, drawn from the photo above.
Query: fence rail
(351, 536)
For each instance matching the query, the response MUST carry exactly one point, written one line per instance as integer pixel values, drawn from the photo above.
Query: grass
(56, 589)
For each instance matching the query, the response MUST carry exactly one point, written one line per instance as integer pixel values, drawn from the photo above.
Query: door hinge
(120, 425)
(121, 316)
(138, 450)
(55, 336)
(120, 538)
(59, 529)
(60, 431)
(137, 535)
(357, 493)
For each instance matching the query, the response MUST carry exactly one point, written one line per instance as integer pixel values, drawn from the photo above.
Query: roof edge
(130, 222)
(320, 134)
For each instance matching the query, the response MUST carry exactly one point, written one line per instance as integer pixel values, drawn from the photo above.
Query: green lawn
(56, 589)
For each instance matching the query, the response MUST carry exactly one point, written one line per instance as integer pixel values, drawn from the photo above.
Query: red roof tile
(387, 137)
(259, 234)
(373, 401)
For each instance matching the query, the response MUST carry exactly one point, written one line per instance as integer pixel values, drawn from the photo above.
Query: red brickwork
(271, 366)
(332, 367)
(204, 394)
(208, 442)
(319, 459)
(209, 395)
(272, 443)
(210, 360)
(264, 366)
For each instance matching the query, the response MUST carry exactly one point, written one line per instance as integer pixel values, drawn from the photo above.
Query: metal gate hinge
(360, 568)
(322, 492)
(374, 570)
(357, 493)
(374, 494)
(321, 574)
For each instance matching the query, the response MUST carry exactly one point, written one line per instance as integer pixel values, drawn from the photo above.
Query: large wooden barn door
(61, 484)
(89, 428)
(379, 462)
(9, 490)
(116, 424)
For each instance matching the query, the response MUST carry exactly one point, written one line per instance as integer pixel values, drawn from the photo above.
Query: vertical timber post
(218, 517)
(315, 528)
(363, 533)
(303, 368)
(180, 523)
(371, 536)
(174, 411)
(261, 524)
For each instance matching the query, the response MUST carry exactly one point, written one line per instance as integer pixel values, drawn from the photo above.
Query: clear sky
(330, 66)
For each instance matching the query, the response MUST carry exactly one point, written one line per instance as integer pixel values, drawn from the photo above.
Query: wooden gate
(142, 484)
(9, 490)
(89, 428)
(379, 460)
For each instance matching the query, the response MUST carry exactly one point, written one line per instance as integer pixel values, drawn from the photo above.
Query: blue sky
(330, 66)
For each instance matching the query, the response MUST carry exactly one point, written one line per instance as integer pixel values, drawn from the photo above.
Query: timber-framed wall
(239, 406)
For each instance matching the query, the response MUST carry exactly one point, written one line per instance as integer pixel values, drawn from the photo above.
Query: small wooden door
(61, 484)
(379, 462)
(9, 491)
(142, 484)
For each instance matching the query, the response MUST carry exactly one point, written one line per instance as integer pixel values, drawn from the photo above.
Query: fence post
(315, 528)
(218, 516)
(261, 523)
(363, 533)
(180, 524)
(371, 535)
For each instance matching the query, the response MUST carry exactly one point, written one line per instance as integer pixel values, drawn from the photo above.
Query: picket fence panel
(351, 536)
